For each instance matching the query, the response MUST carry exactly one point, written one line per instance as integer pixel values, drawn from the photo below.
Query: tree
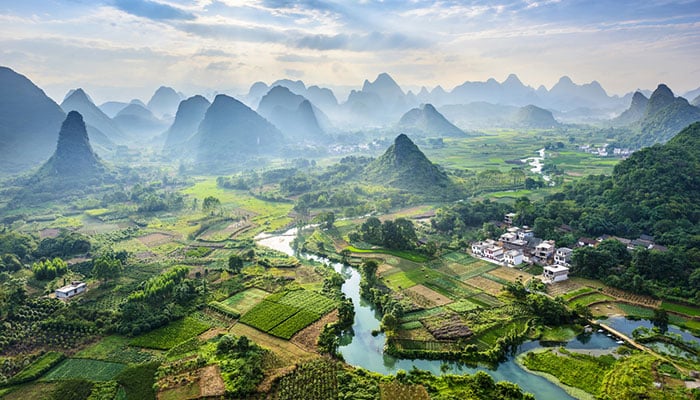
(660, 320)
(210, 203)
(235, 263)
(106, 267)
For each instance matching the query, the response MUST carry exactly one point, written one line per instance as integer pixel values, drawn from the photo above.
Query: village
(519, 245)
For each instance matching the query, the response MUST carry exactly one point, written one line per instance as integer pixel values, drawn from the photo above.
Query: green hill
(404, 166)
(663, 117)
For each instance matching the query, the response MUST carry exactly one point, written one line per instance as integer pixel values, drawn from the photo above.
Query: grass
(83, 368)
(578, 370)
(115, 348)
(242, 302)
(410, 274)
(32, 391)
(577, 292)
(558, 334)
(590, 299)
(681, 309)
(408, 255)
(38, 367)
(170, 335)
(138, 381)
(270, 216)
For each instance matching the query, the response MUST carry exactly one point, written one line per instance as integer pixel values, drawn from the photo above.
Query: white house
(508, 237)
(555, 273)
(509, 218)
(494, 252)
(75, 288)
(545, 249)
(563, 256)
(513, 257)
(525, 234)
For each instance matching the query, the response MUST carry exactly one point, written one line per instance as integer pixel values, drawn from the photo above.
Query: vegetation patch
(37, 368)
(408, 255)
(681, 309)
(138, 381)
(588, 299)
(117, 349)
(170, 335)
(83, 368)
(578, 370)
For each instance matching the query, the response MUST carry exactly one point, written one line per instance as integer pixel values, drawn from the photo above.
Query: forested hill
(654, 191)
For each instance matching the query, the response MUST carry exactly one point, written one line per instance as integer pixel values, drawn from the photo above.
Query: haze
(123, 49)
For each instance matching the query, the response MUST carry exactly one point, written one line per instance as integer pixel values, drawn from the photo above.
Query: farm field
(243, 301)
(117, 349)
(286, 313)
(170, 335)
(287, 352)
(590, 298)
(83, 368)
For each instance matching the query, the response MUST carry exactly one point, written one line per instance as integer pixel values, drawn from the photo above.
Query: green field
(286, 313)
(680, 308)
(38, 367)
(242, 302)
(117, 349)
(408, 255)
(589, 299)
(170, 335)
(83, 368)
(577, 370)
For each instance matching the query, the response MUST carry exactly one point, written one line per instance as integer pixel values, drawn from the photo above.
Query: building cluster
(519, 245)
(604, 151)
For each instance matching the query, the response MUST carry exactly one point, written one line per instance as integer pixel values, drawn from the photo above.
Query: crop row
(308, 300)
(285, 313)
(268, 314)
(294, 324)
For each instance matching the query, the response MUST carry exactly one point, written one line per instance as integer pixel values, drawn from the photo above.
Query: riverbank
(576, 393)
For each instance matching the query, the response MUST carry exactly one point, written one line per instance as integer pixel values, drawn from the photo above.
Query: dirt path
(210, 381)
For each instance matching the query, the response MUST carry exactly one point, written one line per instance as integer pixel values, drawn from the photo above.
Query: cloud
(361, 42)
(294, 73)
(219, 66)
(152, 10)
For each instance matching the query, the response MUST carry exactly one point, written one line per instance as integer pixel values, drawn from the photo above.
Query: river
(361, 349)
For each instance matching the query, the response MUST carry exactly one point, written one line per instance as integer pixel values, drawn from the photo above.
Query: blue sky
(123, 49)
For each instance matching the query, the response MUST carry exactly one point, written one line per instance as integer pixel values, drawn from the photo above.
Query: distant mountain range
(230, 133)
(29, 121)
(101, 128)
(293, 115)
(384, 95)
(427, 121)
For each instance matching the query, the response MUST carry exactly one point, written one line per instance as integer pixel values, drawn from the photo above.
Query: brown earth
(307, 337)
(210, 381)
(487, 285)
(421, 294)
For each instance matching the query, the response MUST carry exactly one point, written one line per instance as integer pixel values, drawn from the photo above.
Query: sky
(124, 49)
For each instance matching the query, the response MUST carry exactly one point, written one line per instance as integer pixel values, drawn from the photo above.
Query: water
(626, 326)
(360, 348)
